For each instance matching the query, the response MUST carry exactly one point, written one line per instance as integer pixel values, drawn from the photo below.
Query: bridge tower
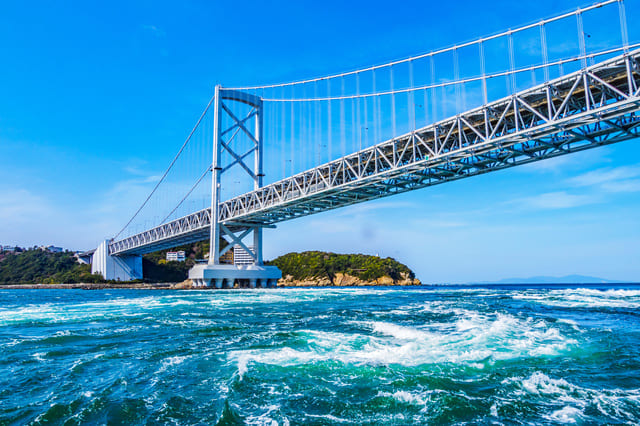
(216, 273)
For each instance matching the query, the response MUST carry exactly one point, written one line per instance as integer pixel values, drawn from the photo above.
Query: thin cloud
(554, 165)
(555, 201)
(606, 177)
(154, 30)
(151, 179)
(629, 185)
(21, 206)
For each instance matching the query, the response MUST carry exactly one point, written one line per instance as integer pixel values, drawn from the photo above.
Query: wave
(570, 403)
(63, 311)
(136, 307)
(171, 362)
(585, 298)
(329, 417)
(420, 399)
(473, 342)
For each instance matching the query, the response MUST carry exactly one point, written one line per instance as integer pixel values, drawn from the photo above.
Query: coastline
(93, 286)
(343, 280)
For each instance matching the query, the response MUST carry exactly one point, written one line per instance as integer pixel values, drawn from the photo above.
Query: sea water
(493, 355)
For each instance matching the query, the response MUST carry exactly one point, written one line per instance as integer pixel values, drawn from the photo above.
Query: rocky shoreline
(346, 280)
(339, 280)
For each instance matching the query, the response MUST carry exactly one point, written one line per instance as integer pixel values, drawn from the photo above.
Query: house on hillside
(178, 256)
(51, 249)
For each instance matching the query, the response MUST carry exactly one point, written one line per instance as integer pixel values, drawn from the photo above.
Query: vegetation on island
(38, 266)
(318, 264)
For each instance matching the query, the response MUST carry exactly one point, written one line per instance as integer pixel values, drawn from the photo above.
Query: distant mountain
(568, 279)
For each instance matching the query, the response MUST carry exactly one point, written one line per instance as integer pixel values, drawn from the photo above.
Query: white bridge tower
(216, 273)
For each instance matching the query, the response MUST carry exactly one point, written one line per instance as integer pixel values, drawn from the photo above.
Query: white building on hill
(178, 256)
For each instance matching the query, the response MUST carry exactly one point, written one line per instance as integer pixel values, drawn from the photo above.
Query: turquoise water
(321, 356)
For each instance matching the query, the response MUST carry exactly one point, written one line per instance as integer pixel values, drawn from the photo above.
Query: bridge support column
(250, 127)
(118, 268)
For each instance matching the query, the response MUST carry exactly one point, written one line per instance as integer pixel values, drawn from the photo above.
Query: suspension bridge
(261, 155)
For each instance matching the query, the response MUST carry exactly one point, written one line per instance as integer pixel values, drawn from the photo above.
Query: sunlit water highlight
(496, 355)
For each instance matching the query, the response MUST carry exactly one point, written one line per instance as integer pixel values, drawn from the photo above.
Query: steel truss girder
(596, 106)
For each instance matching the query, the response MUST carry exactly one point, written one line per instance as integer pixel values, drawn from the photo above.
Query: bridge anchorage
(216, 273)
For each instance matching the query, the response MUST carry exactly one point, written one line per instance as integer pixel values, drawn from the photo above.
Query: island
(317, 268)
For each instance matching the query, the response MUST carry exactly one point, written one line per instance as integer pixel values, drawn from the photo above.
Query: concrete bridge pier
(117, 268)
(220, 275)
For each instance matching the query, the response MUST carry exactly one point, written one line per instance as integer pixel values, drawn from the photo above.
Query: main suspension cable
(168, 169)
(436, 52)
(559, 62)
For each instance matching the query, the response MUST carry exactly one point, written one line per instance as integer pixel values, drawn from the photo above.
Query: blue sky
(97, 98)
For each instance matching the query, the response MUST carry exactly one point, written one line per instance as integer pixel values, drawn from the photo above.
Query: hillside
(156, 268)
(323, 268)
(37, 266)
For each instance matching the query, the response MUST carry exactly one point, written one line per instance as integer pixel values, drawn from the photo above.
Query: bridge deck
(593, 107)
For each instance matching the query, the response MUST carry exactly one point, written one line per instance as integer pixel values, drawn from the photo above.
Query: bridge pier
(221, 275)
(118, 268)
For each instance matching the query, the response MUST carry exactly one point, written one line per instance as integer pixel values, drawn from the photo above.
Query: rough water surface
(496, 355)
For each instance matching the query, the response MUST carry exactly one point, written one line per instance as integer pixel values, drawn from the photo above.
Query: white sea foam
(242, 365)
(171, 361)
(329, 417)
(474, 341)
(265, 418)
(97, 310)
(407, 397)
(398, 331)
(39, 356)
(584, 298)
(566, 415)
(540, 383)
(575, 399)
(494, 410)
